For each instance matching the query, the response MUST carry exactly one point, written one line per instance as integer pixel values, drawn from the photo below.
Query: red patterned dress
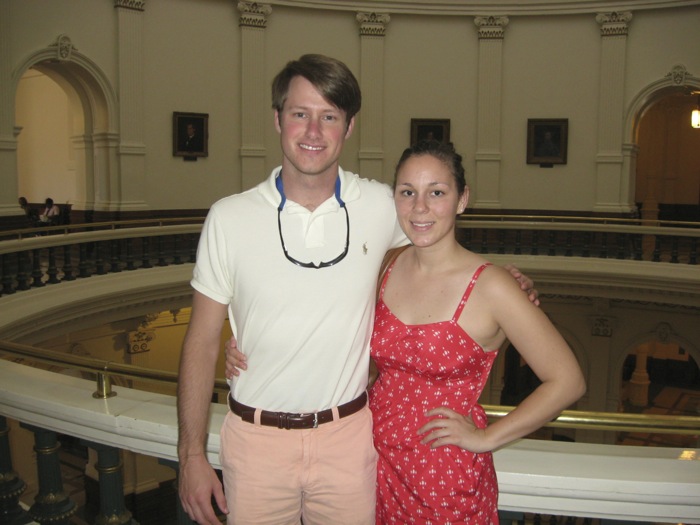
(423, 367)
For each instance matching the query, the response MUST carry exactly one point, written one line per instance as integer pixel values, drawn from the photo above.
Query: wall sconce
(695, 116)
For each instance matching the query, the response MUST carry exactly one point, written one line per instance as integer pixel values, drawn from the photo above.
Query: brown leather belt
(295, 421)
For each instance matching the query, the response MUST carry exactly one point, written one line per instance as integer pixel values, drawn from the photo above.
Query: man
(294, 263)
(193, 141)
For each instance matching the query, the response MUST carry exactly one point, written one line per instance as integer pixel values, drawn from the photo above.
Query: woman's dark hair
(329, 76)
(444, 152)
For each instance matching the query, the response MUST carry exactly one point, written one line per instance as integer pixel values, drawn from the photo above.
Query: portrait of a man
(547, 141)
(190, 134)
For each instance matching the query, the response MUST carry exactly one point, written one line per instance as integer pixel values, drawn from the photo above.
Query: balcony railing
(643, 484)
(648, 484)
(624, 239)
(35, 257)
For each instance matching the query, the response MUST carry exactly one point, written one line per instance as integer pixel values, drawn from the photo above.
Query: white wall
(192, 59)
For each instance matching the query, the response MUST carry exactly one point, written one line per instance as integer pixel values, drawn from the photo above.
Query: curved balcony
(86, 274)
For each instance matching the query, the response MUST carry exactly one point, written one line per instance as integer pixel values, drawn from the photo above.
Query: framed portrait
(430, 129)
(190, 134)
(547, 140)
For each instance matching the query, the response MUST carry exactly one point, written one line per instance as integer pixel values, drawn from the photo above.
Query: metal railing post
(11, 486)
(51, 504)
(109, 467)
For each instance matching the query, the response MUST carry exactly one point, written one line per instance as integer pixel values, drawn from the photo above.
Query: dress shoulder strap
(389, 259)
(469, 289)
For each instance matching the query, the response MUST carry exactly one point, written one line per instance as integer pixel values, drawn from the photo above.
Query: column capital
(614, 23)
(373, 24)
(491, 27)
(253, 14)
(136, 5)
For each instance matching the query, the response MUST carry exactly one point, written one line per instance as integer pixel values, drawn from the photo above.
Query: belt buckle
(285, 419)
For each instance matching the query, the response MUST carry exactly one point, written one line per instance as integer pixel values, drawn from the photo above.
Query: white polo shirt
(306, 331)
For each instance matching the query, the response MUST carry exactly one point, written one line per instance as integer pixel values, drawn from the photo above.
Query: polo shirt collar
(349, 189)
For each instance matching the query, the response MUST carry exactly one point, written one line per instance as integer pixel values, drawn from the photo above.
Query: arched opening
(46, 163)
(668, 164)
(663, 150)
(659, 377)
(67, 147)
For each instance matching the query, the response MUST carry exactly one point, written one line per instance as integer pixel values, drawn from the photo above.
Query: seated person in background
(50, 213)
(31, 213)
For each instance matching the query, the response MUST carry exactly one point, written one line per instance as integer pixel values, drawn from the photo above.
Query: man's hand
(197, 484)
(527, 285)
(235, 360)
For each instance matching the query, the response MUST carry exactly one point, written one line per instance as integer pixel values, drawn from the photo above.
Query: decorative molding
(253, 14)
(602, 326)
(678, 75)
(615, 23)
(64, 47)
(491, 27)
(663, 332)
(138, 342)
(135, 5)
(470, 8)
(373, 24)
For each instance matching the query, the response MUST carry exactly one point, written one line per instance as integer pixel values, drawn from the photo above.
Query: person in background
(292, 263)
(50, 213)
(442, 315)
(31, 214)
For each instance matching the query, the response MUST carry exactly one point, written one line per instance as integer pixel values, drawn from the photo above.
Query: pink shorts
(327, 475)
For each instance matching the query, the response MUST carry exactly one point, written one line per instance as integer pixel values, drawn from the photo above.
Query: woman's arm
(544, 350)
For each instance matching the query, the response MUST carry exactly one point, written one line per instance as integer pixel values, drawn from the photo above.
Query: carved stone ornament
(678, 74)
(491, 27)
(64, 47)
(138, 341)
(253, 14)
(148, 319)
(136, 5)
(615, 23)
(373, 24)
(602, 327)
(663, 332)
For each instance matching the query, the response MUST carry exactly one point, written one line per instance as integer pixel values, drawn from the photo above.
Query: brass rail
(679, 425)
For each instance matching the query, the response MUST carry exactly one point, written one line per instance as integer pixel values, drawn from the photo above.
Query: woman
(443, 313)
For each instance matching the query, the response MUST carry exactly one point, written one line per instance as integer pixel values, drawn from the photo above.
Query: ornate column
(612, 185)
(371, 118)
(132, 150)
(255, 92)
(491, 31)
